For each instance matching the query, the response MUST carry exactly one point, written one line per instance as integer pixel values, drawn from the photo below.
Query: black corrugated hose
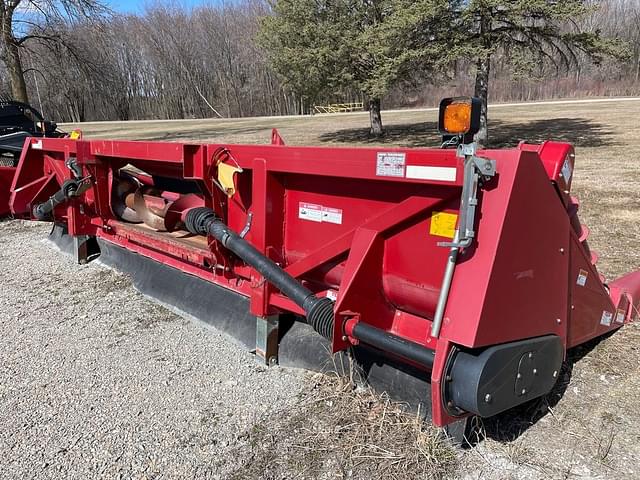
(318, 310)
(68, 189)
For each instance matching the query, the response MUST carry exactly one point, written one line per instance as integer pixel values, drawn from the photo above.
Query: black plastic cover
(500, 377)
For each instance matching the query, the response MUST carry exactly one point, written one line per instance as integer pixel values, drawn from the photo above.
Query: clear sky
(135, 6)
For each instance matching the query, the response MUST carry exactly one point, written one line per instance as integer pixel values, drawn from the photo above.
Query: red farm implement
(459, 276)
(18, 121)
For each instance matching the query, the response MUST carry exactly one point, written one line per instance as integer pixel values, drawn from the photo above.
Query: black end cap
(501, 377)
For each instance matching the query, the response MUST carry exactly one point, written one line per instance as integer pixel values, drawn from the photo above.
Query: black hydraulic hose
(391, 343)
(318, 310)
(43, 210)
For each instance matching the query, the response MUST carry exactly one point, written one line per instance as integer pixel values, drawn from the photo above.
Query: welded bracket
(84, 184)
(81, 249)
(247, 225)
(267, 339)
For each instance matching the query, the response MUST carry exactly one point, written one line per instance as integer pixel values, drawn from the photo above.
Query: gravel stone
(97, 381)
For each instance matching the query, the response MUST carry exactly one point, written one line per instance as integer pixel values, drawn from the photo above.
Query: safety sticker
(37, 145)
(620, 314)
(332, 295)
(443, 224)
(310, 211)
(318, 213)
(332, 215)
(582, 278)
(606, 318)
(390, 164)
(566, 169)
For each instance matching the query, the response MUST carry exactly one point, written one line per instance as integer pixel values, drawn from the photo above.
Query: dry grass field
(588, 427)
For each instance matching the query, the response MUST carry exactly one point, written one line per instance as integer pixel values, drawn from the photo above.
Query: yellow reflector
(457, 117)
(75, 134)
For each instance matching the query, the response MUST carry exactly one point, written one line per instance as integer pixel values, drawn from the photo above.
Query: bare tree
(23, 21)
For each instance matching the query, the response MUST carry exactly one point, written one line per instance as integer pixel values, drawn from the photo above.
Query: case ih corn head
(458, 275)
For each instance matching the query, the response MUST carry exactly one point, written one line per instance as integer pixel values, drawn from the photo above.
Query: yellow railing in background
(338, 107)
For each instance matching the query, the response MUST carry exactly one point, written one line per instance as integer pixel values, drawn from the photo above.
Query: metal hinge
(477, 170)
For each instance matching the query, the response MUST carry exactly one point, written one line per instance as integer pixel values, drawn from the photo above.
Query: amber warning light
(459, 116)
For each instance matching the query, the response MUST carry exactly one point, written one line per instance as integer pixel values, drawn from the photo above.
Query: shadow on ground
(422, 134)
(581, 132)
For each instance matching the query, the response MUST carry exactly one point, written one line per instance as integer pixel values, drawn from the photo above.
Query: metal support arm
(476, 171)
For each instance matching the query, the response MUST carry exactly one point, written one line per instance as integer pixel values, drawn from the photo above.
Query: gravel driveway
(96, 381)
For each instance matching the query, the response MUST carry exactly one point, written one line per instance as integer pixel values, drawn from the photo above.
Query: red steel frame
(528, 273)
(6, 177)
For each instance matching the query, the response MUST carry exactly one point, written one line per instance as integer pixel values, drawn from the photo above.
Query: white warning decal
(606, 318)
(441, 174)
(620, 314)
(390, 164)
(332, 215)
(566, 169)
(317, 213)
(310, 211)
(582, 278)
(37, 145)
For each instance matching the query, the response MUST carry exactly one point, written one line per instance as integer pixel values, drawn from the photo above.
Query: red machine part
(6, 178)
(363, 226)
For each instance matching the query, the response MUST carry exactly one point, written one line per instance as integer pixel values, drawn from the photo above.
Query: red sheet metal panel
(6, 179)
(40, 172)
(513, 283)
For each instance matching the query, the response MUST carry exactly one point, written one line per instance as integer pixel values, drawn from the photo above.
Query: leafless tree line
(166, 63)
(175, 63)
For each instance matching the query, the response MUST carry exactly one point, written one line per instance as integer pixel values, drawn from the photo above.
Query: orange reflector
(457, 117)
(75, 134)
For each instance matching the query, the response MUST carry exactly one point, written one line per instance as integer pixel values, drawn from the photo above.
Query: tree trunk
(12, 61)
(375, 117)
(483, 65)
(482, 92)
